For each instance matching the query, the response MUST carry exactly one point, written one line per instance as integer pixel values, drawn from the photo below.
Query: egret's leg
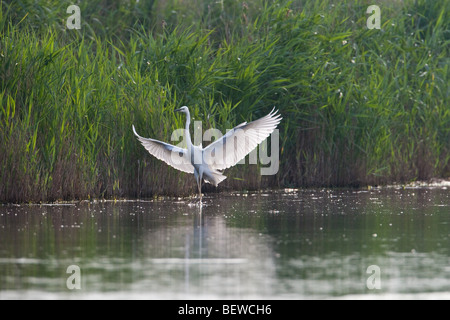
(200, 178)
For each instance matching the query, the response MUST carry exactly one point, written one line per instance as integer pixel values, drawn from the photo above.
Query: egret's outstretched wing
(170, 154)
(240, 141)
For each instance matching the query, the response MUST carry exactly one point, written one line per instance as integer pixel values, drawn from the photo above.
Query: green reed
(359, 106)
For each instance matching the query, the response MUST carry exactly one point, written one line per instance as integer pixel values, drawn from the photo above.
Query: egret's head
(183, 109)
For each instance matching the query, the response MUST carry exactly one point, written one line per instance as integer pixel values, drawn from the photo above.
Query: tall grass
(359, 106)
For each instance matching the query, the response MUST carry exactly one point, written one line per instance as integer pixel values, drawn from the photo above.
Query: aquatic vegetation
(360, 106)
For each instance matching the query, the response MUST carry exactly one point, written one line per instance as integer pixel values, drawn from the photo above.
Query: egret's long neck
(186, 131)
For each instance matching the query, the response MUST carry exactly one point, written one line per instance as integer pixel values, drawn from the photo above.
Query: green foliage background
(359, 106)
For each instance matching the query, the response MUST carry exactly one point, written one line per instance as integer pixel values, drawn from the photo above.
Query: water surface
(290, 244)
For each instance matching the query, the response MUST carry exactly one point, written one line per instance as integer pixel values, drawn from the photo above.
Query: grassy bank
(360, 106)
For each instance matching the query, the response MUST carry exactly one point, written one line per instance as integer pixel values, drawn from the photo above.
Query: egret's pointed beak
(177, 110)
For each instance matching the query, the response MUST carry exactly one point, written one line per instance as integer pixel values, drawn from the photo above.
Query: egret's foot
(196, 202)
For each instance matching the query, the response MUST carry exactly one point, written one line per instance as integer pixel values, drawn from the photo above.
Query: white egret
(207, 163)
